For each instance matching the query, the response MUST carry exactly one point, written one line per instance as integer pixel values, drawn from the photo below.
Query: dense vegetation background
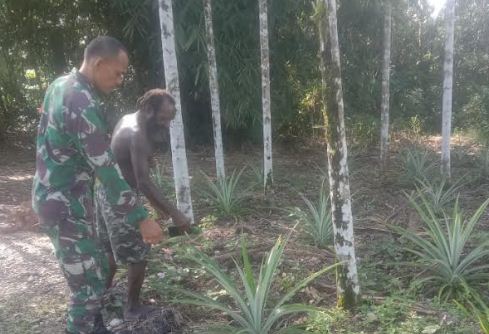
(41, 40)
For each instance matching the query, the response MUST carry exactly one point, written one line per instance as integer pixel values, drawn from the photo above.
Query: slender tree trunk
(447, 89)
(265, 88)
(179, 156)
(348, 288)
(214, 90)
(384, 131)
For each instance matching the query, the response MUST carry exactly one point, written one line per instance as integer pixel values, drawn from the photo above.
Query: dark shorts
(122, 239)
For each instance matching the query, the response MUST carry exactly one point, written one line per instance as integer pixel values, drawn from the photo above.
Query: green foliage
(333, 321)
(317, 219)
(237, 50)
(443, 249)
(62, 28)
(477, 308)
(360, 37)
(476, 113)
(224, 194)
(474, 89)
(392, 315)
(439, 193)
(363, 131)
(416, 165)
(259, 178)
(415, 127)
(395, 317)
(20, 91)
(157, 175)
(295, 79)
(251, 307)
(483, 162)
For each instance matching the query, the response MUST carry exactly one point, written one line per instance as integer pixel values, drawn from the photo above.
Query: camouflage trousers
(118, 237)
(85, 266)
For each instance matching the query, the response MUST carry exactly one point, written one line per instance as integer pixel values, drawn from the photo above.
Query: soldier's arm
(140, 155)
(94, 144)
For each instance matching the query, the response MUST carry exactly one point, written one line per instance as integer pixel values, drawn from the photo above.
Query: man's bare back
(125, 132)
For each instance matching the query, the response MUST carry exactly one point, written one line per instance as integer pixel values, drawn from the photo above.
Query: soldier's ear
(97, 61)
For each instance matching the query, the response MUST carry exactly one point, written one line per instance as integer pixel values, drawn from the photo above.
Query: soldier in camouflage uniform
(73, 149)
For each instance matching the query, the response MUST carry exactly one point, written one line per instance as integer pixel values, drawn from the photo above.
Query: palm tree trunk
(348, 288)
(384, 132)
(265, 85)
(447, 89)
(214, 91)
(179, 156)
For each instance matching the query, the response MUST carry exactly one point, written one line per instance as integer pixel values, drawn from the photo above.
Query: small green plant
(440, 194)
(250, 307)
(259, 177)
(392, 316)
(333, 321)
(416, 165)
(157, 174)
(415, 127)
(224, 194)
(442, 249)
(362, 131)
(207, 222)
(317, 219)
(477, 308)
(323, 172)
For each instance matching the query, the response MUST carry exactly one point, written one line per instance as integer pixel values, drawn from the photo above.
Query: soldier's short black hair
(104, 47)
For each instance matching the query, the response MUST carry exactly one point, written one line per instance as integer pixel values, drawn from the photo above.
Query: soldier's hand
(151, 231)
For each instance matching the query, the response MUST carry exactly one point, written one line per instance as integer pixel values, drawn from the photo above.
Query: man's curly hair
(152, 100)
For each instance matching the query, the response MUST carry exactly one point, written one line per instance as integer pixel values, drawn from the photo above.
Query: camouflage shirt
(73, 148)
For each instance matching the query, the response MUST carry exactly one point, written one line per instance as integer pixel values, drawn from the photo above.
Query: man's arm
(94, 145)
(140, 155)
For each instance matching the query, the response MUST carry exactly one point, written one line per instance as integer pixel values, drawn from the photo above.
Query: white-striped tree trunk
(384, 107)
(214, 91)
(348, 288)
(447, 88)
(265, 88)
(179, 155)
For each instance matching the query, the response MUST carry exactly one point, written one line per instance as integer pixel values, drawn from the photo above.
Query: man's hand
(150, 231)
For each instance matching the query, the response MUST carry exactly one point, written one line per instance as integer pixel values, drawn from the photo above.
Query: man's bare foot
(140, 312)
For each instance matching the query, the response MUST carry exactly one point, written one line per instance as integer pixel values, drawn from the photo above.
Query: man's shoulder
(130, 116)
(72, 89)
(77, 96)
(59, 85)
(129, 122)
(128, 130)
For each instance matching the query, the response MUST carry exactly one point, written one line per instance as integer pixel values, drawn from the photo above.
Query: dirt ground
(34, 295)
